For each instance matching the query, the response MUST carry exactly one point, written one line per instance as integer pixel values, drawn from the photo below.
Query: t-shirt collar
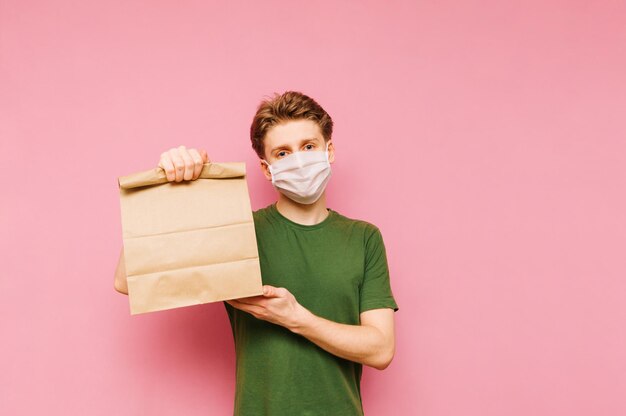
(280, 217)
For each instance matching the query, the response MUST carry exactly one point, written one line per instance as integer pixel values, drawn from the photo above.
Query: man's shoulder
(365, 228)
(261, 213)
(358, 222)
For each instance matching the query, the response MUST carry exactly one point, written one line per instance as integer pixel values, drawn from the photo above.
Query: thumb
(269, 291)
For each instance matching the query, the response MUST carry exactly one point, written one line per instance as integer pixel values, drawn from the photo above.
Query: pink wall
(487, 140)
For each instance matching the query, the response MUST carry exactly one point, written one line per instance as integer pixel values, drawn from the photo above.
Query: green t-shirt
(336, 269)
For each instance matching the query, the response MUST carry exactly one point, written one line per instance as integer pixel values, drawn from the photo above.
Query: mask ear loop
(270, 169)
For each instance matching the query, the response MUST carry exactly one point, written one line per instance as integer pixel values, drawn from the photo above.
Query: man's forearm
(360, 343)
(121, 284)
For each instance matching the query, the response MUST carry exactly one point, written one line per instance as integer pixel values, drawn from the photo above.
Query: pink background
(487, 140)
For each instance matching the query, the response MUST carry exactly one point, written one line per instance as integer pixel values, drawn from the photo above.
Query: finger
(205, 157)
(197, 160)
(166, 164)
(253, 300)
(189, 165)
(268, 290)
(179, 164)
(246, 307)
(250, 298)
(273, 292)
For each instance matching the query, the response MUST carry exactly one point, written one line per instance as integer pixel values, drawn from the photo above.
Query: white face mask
(301, 176)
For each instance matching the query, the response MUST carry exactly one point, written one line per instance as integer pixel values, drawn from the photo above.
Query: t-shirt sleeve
(376, 288)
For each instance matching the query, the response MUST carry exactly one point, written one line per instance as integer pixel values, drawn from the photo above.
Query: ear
(266, 170)
(331, 152)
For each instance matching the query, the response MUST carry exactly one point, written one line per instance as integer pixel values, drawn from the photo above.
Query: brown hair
(290, 105)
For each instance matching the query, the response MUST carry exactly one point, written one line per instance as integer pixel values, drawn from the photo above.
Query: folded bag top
(189, 242)
(157, 176)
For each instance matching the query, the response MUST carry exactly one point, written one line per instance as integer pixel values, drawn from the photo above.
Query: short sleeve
(376, 288)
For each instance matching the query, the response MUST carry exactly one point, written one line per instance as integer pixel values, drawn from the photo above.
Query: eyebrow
(301, 143)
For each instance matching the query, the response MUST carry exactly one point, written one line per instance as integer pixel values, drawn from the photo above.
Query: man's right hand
(180, 163)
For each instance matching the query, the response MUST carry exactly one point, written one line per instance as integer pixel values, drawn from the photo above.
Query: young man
(327, 307)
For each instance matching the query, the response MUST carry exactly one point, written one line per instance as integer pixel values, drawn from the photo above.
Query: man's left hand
(276, 305)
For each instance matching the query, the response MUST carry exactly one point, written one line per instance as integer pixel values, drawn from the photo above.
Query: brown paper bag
(189, 242)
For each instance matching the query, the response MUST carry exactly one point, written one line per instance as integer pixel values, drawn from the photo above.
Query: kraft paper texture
(189, 242)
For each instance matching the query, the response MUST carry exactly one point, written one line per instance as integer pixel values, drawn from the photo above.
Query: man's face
(293, 136)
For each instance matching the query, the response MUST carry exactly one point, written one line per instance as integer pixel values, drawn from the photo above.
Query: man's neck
(305, 214)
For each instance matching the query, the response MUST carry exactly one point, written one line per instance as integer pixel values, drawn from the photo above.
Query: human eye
(309, 146)
(281, 153)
